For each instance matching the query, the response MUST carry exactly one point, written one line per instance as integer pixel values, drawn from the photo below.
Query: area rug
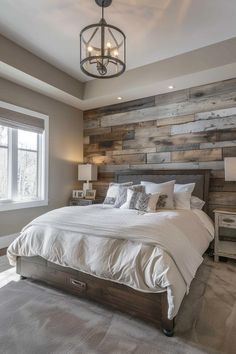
(35, 319)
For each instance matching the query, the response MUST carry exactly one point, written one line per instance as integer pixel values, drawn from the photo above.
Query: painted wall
(65, 151)
(191, 128)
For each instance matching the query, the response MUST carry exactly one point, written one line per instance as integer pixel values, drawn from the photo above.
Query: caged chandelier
(102, 48)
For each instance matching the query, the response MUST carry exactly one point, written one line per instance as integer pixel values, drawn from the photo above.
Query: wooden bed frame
(147, 306)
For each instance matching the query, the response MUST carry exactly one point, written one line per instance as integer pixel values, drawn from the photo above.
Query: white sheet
(149, 252)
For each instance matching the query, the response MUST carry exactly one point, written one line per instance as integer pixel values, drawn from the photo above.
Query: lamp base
(86, 186)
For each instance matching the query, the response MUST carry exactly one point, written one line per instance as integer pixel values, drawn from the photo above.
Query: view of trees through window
(3, 162)
(26, 150)
(27, 165)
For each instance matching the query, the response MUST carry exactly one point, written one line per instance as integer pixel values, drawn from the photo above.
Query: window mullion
(14, 163)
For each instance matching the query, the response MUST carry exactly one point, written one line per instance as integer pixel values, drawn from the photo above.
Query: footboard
(146, 306)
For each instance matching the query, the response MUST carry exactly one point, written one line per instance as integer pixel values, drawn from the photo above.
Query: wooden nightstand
(84, 202)
(225, 233)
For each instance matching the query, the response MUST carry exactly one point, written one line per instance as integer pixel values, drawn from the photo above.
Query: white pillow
(166, 191)
(141, 201)
(113, 192)
(196, 203)
(182, 195)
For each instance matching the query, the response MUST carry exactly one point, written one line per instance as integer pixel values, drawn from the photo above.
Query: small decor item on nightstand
(77, 194)
(90, 194)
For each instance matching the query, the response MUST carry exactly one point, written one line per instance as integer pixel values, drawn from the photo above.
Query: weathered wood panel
(204, 125)
(197, 155)
(192, 128)
(170, 110)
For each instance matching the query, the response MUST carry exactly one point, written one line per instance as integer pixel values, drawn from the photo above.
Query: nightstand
(225, 233)
(84, 202)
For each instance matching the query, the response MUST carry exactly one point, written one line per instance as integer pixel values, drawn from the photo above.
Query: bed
(130, 296)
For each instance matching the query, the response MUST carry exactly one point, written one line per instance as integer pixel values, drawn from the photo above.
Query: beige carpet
(35, 319)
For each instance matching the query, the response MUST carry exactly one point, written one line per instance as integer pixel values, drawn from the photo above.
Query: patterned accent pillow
(122, 194)
(112, 192)
(126, 196)
(141, 201)
(147, 202)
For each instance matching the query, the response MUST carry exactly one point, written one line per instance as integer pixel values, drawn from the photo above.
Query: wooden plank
(179, 147)
(229, 151)
(121, 107)
(115, 135)
(96, 131)
(158, 157)
(152, 132)
(211, 90)
(103, 146)
(130, 151)
(222, 198)
(112, 168)
(220, 185)
(216, 165)
(218, 144)
(175, 120)
(204, 125)
(91, 123)
(219, 113)
(197, 155)
(172, 97)
(162, 142)
(118, 160)
(170, 110)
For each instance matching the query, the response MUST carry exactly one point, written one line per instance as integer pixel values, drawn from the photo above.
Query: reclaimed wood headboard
(200, 177)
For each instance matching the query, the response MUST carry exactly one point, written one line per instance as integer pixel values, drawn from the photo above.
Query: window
(23, 167)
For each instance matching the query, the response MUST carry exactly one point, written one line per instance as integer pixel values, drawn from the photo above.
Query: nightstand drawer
(227, 221)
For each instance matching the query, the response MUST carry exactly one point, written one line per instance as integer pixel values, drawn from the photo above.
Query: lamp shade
(87, 172)
(230, 168)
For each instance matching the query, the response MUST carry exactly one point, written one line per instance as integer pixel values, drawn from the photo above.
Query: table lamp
(87, 173)
(230, 168)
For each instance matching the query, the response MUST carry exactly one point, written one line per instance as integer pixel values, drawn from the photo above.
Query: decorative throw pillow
(140, 201)
(122, 194)
(166, 191)
(182, 195)
(112, 192)
(196, 203)
(147, 202)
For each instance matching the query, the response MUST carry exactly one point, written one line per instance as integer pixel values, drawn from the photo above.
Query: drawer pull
(228, 220)
(78, 284)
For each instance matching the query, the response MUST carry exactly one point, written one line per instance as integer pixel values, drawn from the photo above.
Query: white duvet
(150, 252)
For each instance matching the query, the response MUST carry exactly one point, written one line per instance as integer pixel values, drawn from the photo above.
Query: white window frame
(43, 178)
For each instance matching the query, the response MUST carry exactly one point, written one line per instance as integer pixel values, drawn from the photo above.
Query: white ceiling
(155, 29)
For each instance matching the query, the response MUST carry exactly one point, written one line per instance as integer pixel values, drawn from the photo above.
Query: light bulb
(115, 53)
(108, 45)
(90, 49)
(171, 87)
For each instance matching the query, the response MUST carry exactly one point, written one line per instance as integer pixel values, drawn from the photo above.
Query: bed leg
(167, 325)
(22, 277)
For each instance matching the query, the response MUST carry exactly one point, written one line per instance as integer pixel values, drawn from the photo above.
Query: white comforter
(150, 252)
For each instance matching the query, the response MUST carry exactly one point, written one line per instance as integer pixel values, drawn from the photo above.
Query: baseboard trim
(5, 241)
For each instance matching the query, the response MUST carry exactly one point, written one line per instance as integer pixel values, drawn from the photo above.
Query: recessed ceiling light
(119, 98)
(171, 87)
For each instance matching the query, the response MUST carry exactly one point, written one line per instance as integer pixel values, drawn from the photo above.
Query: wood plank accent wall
(191, 128)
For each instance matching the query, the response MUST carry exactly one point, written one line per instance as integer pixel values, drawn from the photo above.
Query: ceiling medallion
(102, 48)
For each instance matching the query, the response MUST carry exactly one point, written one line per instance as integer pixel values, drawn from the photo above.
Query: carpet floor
(39, 320)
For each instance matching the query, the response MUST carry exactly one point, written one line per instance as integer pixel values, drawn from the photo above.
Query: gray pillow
(112, 192)
(122, 193)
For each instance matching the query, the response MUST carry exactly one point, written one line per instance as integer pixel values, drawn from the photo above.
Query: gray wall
(65, 151)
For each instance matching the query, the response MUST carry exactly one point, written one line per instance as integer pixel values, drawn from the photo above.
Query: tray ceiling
(155, 29)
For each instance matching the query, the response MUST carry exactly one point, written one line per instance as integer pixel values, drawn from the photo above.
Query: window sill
(5, 206)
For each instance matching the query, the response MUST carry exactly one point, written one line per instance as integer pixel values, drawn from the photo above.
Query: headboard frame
(200, 177)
